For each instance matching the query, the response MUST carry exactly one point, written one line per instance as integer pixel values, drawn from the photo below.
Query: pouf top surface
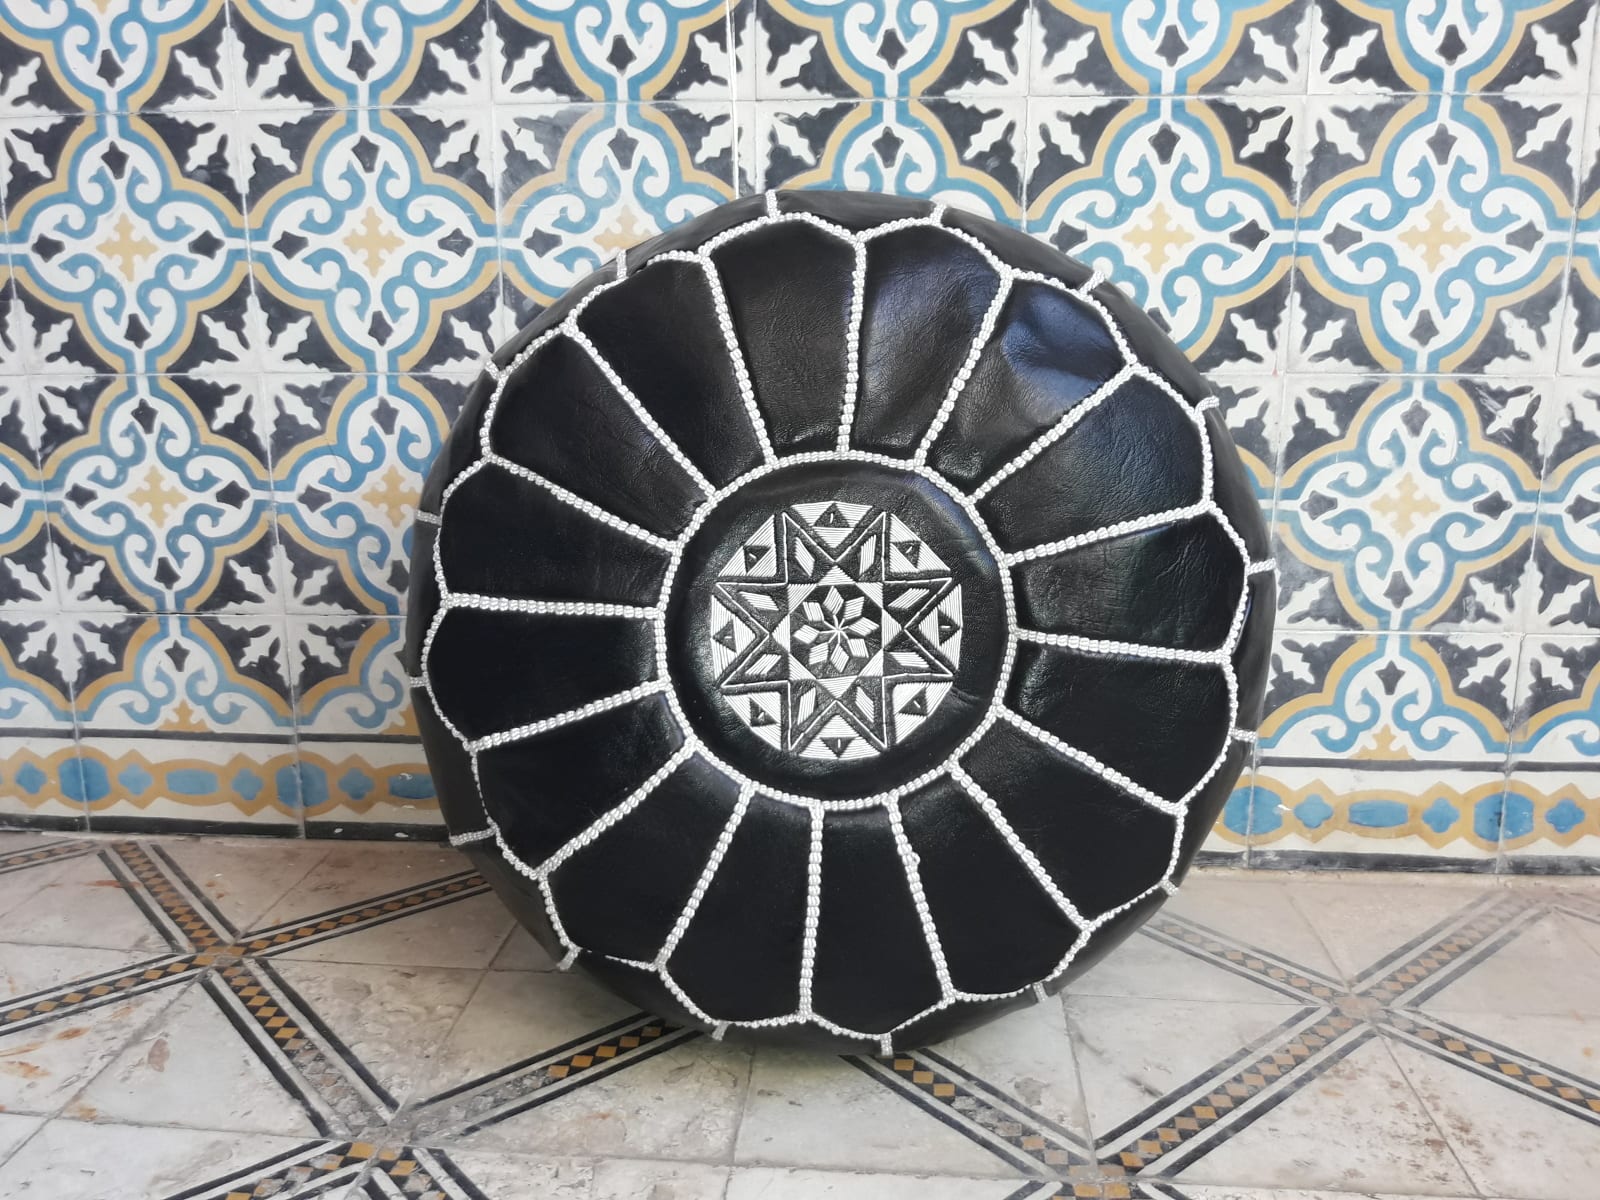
(839, 618)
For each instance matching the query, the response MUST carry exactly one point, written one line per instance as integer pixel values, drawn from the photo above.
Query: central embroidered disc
(835, 630)
(836, 627)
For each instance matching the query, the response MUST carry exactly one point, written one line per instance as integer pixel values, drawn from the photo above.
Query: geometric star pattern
(835, 630)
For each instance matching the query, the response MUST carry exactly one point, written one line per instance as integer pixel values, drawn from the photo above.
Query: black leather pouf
(840, 618)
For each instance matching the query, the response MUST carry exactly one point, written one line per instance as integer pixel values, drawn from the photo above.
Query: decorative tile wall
(254, 251)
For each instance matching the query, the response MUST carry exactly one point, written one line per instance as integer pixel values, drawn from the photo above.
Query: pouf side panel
(1049, 353)
(562, 418)
(853, 211)
(1133, 457)
(1176, 586)
(998, 926)
(1161, 724)
(1251, 657)
(663, 338)
(739, 957)
(575, 557)
(583, 660)
(622, 893)
(788, 289)
(1101, 846)
(873, 966)
(1152, 345)
(545, 791)
(454, 784)
(924, 298)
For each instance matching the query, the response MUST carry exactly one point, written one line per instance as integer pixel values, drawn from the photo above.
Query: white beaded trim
(675, 547)
(1055, 433)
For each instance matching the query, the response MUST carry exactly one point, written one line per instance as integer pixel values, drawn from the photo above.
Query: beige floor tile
(522, 953)
(1588, 931)
(806, 1110)
(1510, 1144)
(777, 1183)
(42, 1067)
(1142, 966)
(1545, 969)
(243, 879)
(391, 1019)
(15, 1129)
(1132, 1052)
(626, 1179)
(1355, 1127)
(463, 933)
(191, 1067)
(84, 904)
(74, 1160)
(25, 969)
(357, 871)
(682, 1103)
(1365, 918)
(1256, 910)
(1026, 1055)
(520, 1014)
(18, 887)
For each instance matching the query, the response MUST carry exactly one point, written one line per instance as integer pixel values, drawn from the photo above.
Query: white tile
(1510, 1144)
(351, 873)
(810, 1110)
(74, 1160)
(391, 1019)
(683, 1103)
(42, 1067)
(461, 933)
(1547, 968)
(84, 904)
(1132, 1051)
(1254, 910)
(522, 953)
(1028, 1056)
(192, 1068)
(774, 1183)
(520, 1014)
(1356, 1126)
(1142, 966)
(26, 969)
(1364, 918)
(242, 879)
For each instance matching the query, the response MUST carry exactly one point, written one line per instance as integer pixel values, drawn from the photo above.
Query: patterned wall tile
(1566, 556)
(822, 48)
(1526, 46)
(27, 556)
(203, 785)
(372, 235)
(187, 675)
(116, 55)
(1332, 809)
(347, 677)
(347, 785)
(1407, 503)
(41, 783)
(160, 493)
(1580, 337)
(126, 235)
(579, 183)
(384, 52)
(1109, 48)
(595, 50)
(1432, 230)
(1188, 205)
(1252, 407)
(1400, 737)
(1553, 806)
(349, 453)
(963, 152)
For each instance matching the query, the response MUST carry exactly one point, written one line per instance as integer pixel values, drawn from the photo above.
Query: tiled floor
(204, 1018)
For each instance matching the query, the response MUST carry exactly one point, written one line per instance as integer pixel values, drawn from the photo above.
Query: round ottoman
(839, 620)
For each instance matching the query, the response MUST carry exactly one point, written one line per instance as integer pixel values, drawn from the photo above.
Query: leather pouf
(840, 619)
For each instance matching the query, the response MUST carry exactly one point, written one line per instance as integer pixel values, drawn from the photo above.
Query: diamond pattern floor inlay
(205, 1019)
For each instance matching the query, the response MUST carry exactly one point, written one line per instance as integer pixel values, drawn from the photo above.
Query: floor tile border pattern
(365, 1133)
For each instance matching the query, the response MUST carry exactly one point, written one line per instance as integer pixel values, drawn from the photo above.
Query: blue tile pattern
(251, 254)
